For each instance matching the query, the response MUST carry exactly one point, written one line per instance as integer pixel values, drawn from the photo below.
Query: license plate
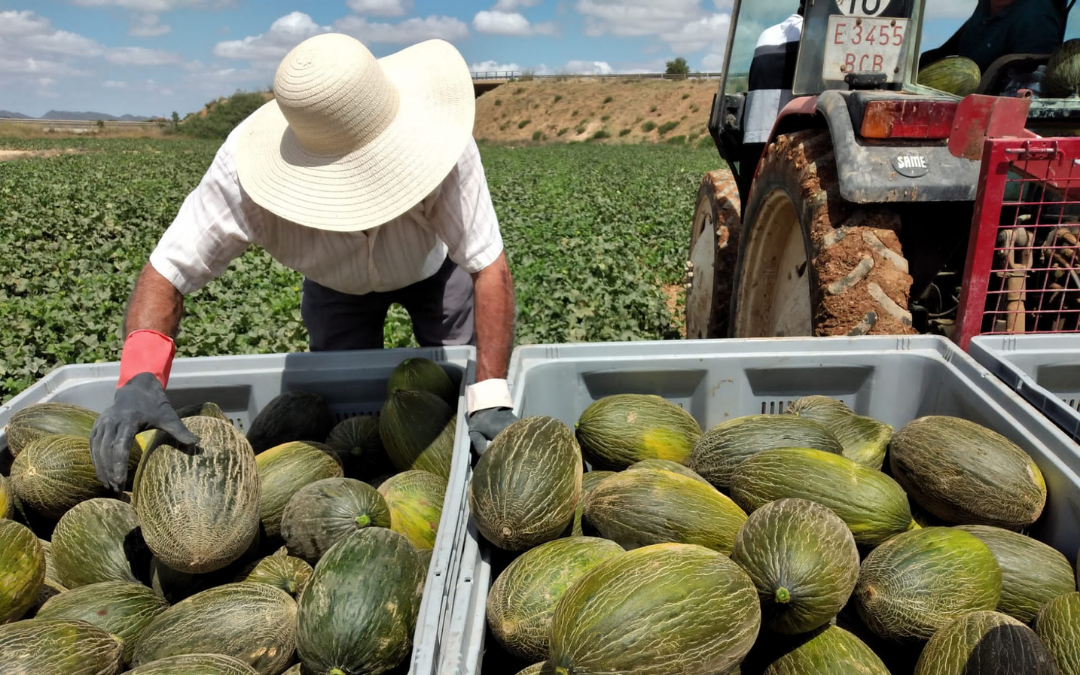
(864, 45)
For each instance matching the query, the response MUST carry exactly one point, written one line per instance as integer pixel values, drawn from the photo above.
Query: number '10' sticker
(863, 7)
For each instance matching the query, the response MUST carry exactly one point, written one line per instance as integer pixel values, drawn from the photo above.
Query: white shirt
(774, 56)
(218, 221)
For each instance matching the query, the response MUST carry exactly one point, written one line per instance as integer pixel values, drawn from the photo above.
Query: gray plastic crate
(1044, 369)
(353, 383)
(892, 379)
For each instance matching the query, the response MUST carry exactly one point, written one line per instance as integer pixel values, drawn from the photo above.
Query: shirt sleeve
(209, 232)
(464, 216)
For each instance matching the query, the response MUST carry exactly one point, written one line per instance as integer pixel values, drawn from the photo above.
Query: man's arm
(493, 288)
(155, 305)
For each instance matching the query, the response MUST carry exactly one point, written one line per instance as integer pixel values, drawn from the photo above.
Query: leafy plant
(648, 126)
(685, 96)
(624, 132)
(677, 140)
(524, 123)
(652, 109)
(580, 129)
(609, 99)
(498, 102)
(537, 135)
(666, 127)
(600, 135)
(605, 118)
(563, 131)
(677, 66)
(558, 97)
(694, 108)
(519, 90)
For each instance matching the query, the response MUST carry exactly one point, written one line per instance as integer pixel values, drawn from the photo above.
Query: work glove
(485, 425)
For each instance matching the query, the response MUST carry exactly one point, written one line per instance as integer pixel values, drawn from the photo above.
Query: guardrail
(517, 75)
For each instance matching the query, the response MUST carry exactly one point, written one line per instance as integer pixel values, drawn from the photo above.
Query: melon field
(596, 236)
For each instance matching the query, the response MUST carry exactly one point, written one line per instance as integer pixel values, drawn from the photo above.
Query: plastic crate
(1044, 369)
(892, 379)
(353, 383)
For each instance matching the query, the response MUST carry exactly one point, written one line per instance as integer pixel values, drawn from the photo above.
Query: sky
(153, 57)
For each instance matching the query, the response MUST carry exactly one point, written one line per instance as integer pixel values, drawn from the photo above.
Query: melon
(22, 570)
(420, 374)
(873, 506)
(1058, 626)
(1032, 573)
(624, 429)
(522, 600)
(666, 609)
(803, 561)
(643, 507)
(47, 419)
(543, 668)
(417, 429)
(202, 410)
(99, 540)
(58, 647)
(1063, 71)
(291, 416)
(360, 448)
(985, 642)
(199, 509)
(415, 499)
(526, 486)
(195, 664)
(359, 612)
(917, 582)
(7, 499)
(281, 571)
(829, 650)
(53, 586)
(283, 470)
(723, 448)
(667, 465)
(120, 608)
(966, 474)
(589, 481)
(864, 439)
(253, 623)
(54, 473)
(955, 75)
(324, 512)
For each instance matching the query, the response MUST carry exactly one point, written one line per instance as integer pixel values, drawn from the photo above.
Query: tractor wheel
(811, 263)
(714, 248)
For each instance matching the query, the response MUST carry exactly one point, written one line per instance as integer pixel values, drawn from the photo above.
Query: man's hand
(485, 425)
(139, 405)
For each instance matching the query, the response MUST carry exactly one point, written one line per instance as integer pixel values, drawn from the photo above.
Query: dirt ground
(9, 155)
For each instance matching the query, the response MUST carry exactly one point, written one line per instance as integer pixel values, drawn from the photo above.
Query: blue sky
(151, 57)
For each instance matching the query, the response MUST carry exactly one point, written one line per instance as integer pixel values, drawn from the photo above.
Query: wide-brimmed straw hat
(351, 141)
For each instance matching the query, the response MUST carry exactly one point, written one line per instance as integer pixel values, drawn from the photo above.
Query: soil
(675, 302)
(9, 155)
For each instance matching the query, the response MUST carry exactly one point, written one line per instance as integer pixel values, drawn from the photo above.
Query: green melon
(281, 571)
(985, 642)
(873, 505)
(526, 486)
(914, 584)
(416, 501)
(955, 75)
(644, 507)
(208, 409)
(1058, 626)
(22, 570)
(359, 612)
(54, 473)
(295, 670)
(543, 668)
(864, 439)
(199, 510)
(99, 540)
(421, 374)
(323, 513)
(966, 474)
(522, 600)
(1063, 71)
(624, 429)
(667, 465)
(7, 499)
(286, 468)
(417, 429)
(803, 561)
(291, 416)
(723, 448)
(589, 480)
(47, 419)
(360, 448)
(53, 586)
(1032, 573)
(253, 623)
(58, 647)
(120, 608)
(828, 650)
(195, 664)
(609, 621)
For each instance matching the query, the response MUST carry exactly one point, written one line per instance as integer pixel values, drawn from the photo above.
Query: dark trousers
(441, 308)
(748, 161)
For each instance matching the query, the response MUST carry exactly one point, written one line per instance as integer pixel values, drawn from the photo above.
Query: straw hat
(351, 141)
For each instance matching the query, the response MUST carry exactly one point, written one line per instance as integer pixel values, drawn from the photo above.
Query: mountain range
(79, 116)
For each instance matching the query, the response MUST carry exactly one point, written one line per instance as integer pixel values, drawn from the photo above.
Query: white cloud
(950, 9)
(37, 68)
(514, 5)
(708, 31)
(62, 42)
(23, 24)
(140, 56)
(493, 67)
(158, 6)
(510, 23)
(380, 7)
(284, 34)
(409, 31)
(588, 68)
(114, 84)
(634, 18)
(147, 25)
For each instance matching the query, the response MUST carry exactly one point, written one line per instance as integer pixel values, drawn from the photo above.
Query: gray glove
(485, 425)
(138, 405)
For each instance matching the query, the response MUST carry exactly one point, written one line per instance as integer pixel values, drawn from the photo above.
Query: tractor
(880, 205)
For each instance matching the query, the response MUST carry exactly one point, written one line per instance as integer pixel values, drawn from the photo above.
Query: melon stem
(362, 521)
(783, 596)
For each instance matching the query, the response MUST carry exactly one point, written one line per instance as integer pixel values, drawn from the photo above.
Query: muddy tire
(811, 263)
(711, 270)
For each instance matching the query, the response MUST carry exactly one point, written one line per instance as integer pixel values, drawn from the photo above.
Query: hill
(7, 115)
(609, 110)
(90, 117)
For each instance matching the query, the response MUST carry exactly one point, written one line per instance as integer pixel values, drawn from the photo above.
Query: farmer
(363, 176)
(1002, 27)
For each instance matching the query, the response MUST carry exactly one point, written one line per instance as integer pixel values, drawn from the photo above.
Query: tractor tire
(811, 263)
(711, 269)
